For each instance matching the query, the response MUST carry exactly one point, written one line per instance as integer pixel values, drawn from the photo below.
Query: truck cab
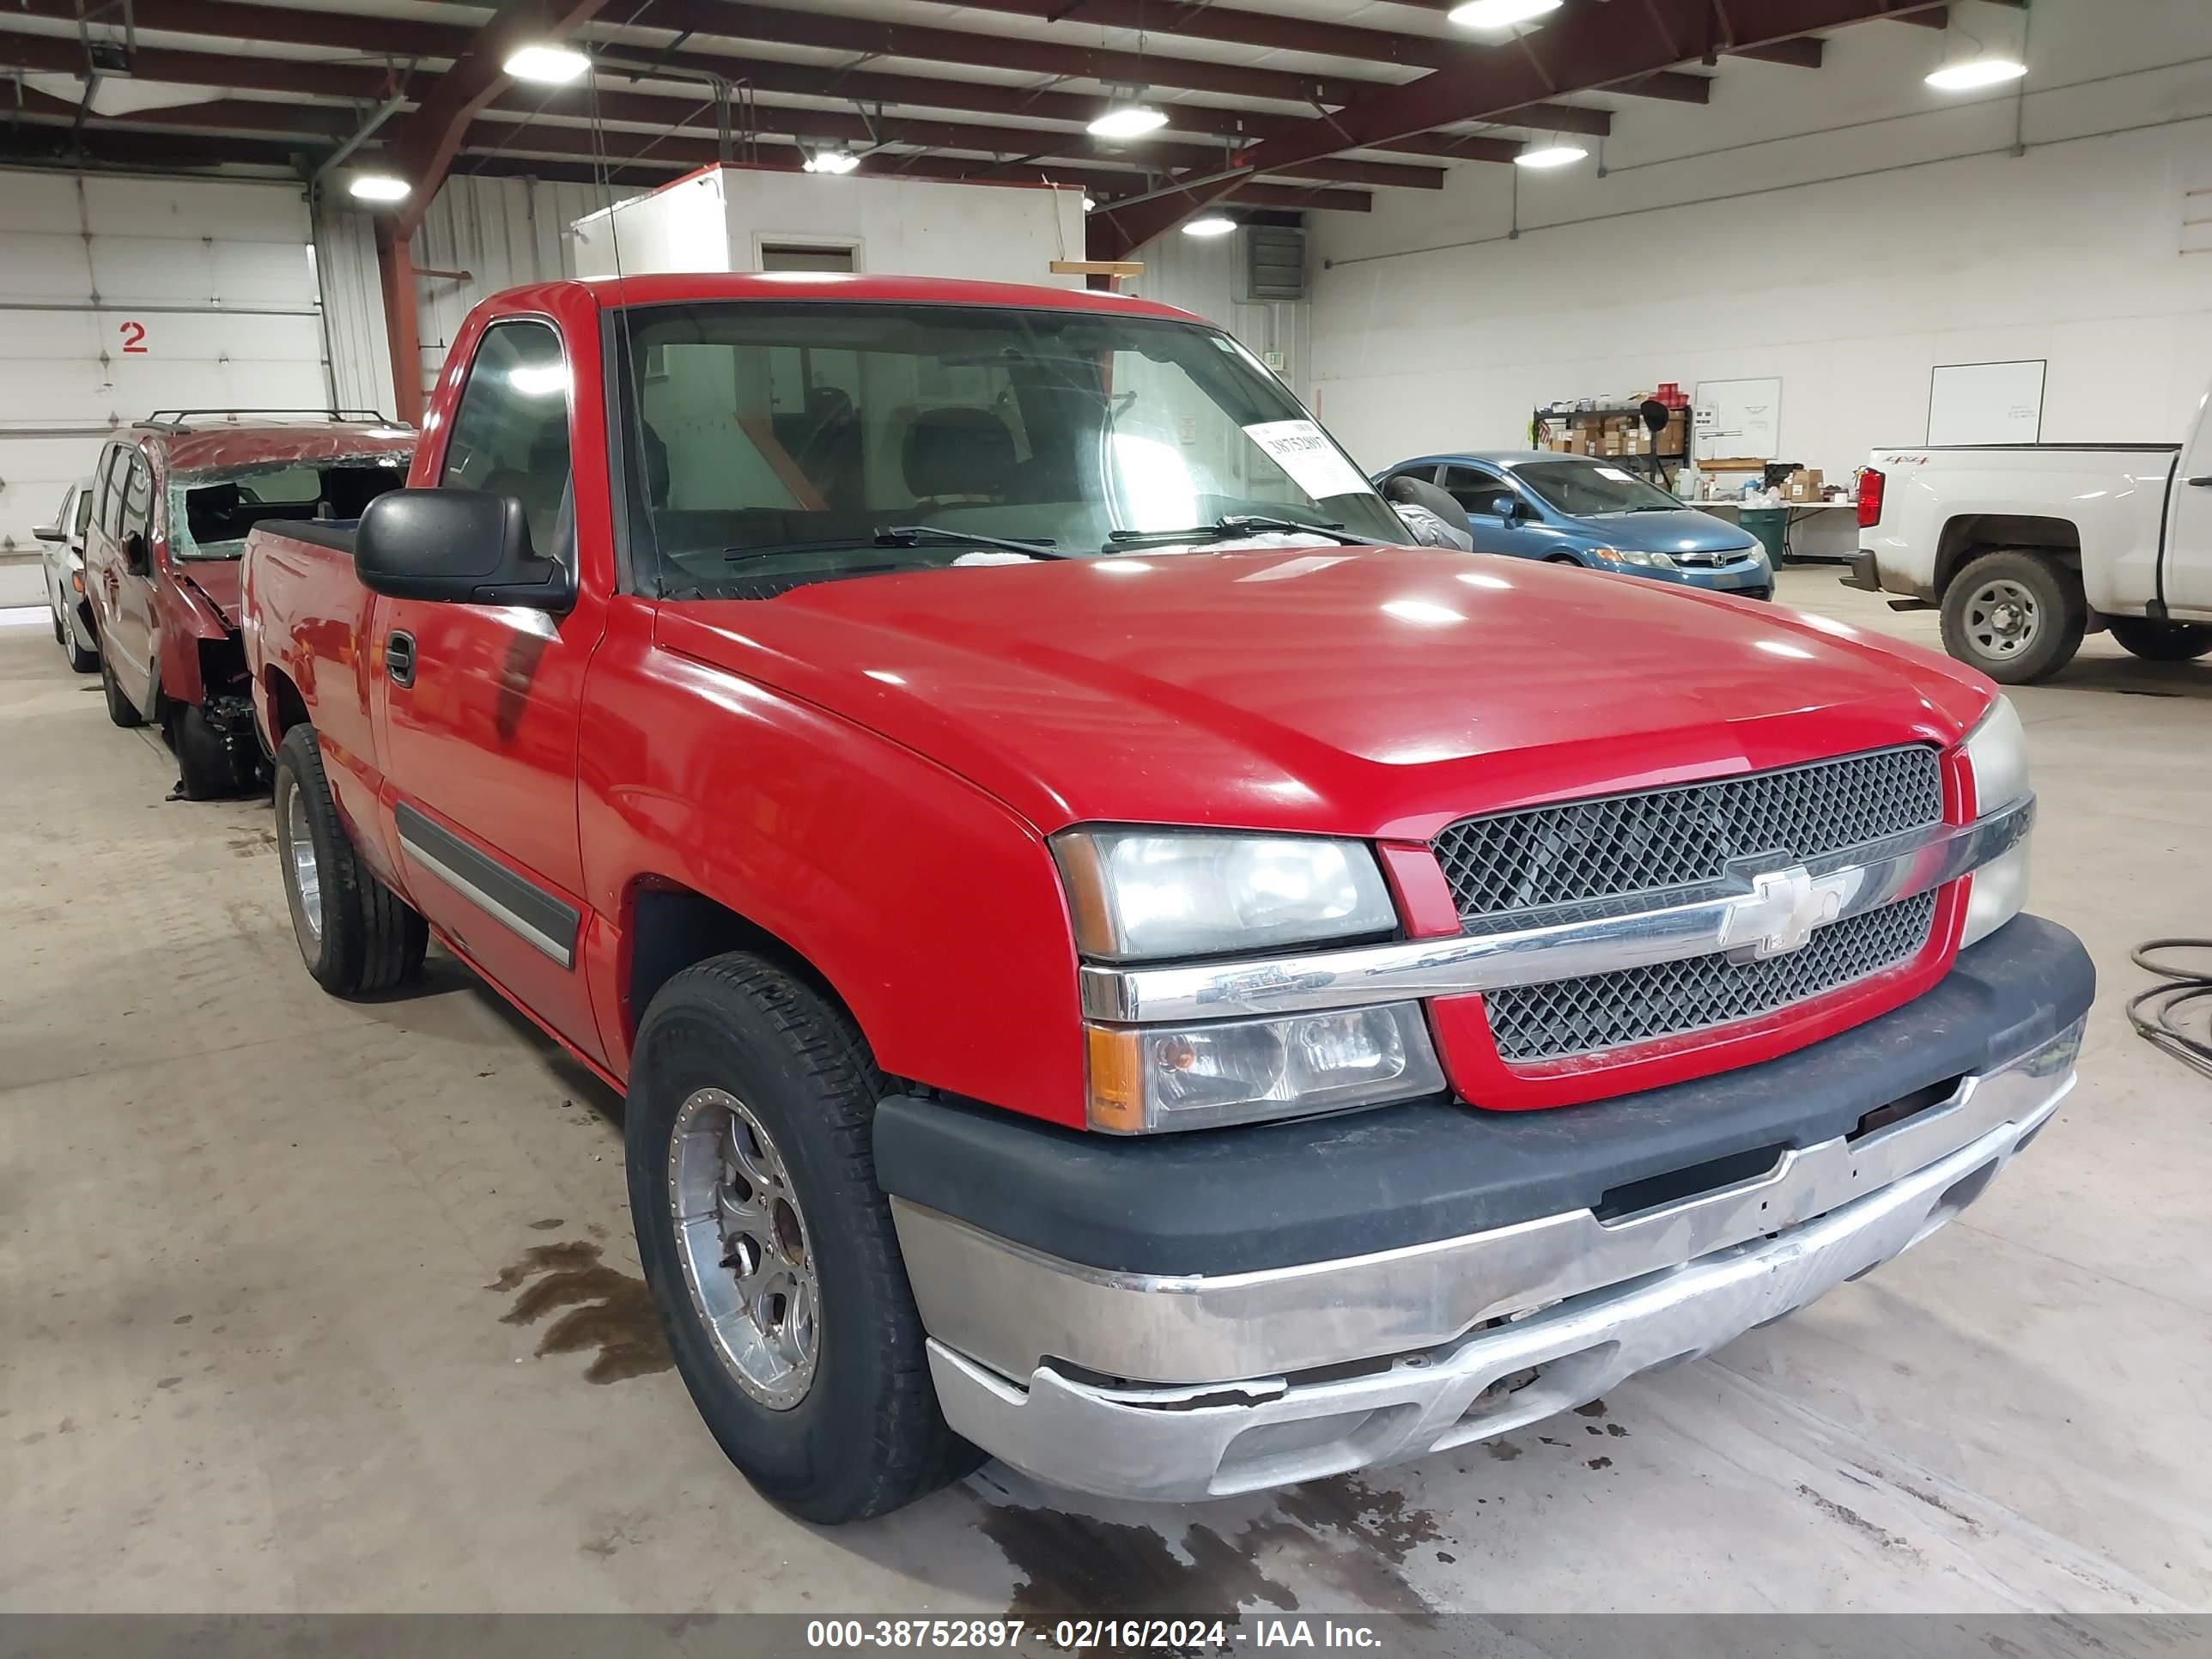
(2025, 548)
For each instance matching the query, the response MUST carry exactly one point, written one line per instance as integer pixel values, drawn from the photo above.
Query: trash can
(1771, 525)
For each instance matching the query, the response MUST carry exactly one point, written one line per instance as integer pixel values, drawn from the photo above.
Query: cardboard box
(1805, 484)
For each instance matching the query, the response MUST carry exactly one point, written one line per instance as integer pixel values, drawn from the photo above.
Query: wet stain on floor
(1379, 1520)
(1075, 1564)
(1339, 1532)
(610, 1311)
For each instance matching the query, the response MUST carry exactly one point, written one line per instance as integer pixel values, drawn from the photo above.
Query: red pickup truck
(1114, 961)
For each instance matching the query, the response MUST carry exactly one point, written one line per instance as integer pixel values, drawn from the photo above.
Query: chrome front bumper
(1260, 1379)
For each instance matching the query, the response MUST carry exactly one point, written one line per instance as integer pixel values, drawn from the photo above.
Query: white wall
(722, 220)
(1200, 274)
(1846, 230)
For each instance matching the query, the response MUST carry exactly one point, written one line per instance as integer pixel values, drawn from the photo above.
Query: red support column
(395, 264)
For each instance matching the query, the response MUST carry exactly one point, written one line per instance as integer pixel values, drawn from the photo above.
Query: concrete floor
(307, 1305)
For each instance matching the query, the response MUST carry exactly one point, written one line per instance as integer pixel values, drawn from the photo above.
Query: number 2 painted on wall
(134, 337)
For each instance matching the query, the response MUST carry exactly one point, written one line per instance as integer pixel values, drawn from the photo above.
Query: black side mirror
(1505, 507)
(462, 546)
(48, 533)
(138, 558)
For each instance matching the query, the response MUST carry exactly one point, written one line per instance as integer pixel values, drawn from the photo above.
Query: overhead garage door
(122, 296)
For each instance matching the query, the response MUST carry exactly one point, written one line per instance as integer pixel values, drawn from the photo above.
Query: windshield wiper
(897, 535)
(937, 534)
(1233, 525)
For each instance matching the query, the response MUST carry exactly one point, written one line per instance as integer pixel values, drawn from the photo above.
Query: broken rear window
(210, 514)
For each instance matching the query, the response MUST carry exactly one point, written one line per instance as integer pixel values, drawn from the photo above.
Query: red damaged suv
(172, 501)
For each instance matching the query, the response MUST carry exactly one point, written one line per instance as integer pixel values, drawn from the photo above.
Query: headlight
(1147, 893)
(1633, 556)
(1144, 1080)
(1997, 755)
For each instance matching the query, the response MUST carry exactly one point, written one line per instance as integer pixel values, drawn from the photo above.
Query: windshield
(1587, 488)
(771, 444)
(210, 513)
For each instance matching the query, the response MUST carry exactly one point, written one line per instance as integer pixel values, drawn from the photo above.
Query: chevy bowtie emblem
(1781, 911)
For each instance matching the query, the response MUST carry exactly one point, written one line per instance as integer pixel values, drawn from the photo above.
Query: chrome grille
(1686, 836)
(1672, 998)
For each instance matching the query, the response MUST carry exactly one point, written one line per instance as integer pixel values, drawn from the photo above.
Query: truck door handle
(2204, 483)
(399, 656)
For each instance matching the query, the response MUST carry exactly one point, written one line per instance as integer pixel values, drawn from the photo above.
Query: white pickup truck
(2026, 547)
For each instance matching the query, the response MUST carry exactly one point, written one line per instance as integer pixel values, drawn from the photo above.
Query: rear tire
(2015, 615)
(356, 935)
(2162, 641)
(120, 708)
(210, 765)
(751, 1088)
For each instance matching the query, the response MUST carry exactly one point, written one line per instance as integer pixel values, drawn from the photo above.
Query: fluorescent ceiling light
(553, 66)
(1550, 156)
(832, 160)
(1500, 14)
(1212, 225)
(1128, 121)
(378, 187)
(1974, 72)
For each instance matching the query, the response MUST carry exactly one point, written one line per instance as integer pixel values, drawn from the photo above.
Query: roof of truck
(868, 287)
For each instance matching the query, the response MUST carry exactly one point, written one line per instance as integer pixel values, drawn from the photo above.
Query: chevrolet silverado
(1113, 960)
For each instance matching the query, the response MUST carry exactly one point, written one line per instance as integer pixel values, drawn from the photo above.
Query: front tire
(120, 709)
(356, 935)
(209, 765)
(2162, 641)
(80, 659)
(769, 1247)
(2015, 615)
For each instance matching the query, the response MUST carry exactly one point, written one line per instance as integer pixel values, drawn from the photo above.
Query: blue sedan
(1577, 509)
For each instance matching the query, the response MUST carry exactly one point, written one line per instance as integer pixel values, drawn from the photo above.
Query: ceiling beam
(424, 140)
(1671, 85)
(410, 39)
(1804, 52)
(838, 32)
(1167, 20)
(1593, 47)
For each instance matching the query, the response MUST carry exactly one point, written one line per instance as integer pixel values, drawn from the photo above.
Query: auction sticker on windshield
(1304, 450)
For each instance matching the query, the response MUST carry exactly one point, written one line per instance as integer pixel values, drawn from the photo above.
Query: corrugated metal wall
(1200, 274)
(501, 232)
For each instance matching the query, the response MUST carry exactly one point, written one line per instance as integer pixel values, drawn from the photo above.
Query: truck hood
(1379, 692)
(1684, 531)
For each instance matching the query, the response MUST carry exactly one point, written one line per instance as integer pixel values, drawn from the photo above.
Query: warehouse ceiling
(1309, 104)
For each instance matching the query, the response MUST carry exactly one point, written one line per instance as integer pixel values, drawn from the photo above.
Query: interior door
(2187, 569)
(479, 704)
(1477, 490)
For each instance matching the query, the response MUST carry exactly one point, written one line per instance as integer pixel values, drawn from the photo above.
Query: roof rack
(181, 420)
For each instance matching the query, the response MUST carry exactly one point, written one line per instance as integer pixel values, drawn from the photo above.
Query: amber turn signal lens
(1116, 1093)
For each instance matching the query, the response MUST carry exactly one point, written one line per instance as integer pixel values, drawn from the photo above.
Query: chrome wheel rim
(748, 1260)
(2002, 618)
(304, 875)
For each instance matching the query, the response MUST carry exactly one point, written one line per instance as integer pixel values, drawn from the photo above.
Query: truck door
(478, 705)
(2186, 566)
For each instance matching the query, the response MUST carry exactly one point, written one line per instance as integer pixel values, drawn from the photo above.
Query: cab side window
(1473, 488)
(511, 430)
